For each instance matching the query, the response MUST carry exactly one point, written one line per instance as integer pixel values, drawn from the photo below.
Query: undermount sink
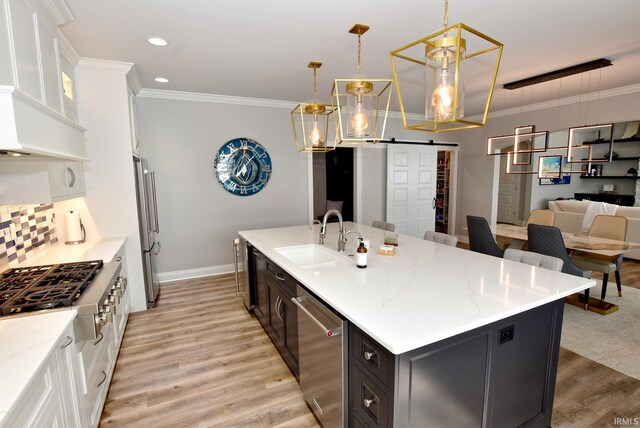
(312, 256)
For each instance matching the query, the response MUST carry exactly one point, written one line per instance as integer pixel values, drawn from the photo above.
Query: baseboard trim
(195, 273)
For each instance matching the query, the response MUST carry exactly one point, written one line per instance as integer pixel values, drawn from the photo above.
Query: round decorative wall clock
(242, 166)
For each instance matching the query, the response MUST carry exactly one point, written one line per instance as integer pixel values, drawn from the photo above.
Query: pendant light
(314, 123)
(359, 102)
(446, 56)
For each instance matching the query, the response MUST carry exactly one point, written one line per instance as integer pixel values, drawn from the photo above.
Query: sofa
(570, 213)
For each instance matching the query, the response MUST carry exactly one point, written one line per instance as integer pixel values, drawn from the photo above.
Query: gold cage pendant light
(363, 103)
(442, 60)
(314, 123)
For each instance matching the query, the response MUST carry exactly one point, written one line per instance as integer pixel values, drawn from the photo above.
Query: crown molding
(592, 96)
(93, 64)
(59, 10)
(214, 98)
(262, 102)
(67, 51)
(134, 80)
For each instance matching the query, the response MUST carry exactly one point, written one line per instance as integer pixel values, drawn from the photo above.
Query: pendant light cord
(446, 13)
(359, 47)
(315, 86)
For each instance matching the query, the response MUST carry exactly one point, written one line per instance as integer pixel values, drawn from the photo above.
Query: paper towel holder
(82, 230)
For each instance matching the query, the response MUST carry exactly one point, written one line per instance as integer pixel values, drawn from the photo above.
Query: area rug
(612, 340)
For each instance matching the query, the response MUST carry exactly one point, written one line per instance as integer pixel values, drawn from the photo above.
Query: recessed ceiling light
(162, 80)
(157, 41)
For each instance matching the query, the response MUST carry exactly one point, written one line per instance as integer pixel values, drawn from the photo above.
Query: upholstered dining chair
(544, 217)
(548, 240)
(481, 239)
(534, 259)
(378, 224)
(441, 238)
(610, 227)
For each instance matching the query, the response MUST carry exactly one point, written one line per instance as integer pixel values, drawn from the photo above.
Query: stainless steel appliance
(322, 338)
(149, 227)
(93, 288)
(243, 271)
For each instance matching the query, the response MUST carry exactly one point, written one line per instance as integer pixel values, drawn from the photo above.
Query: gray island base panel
(438, 336)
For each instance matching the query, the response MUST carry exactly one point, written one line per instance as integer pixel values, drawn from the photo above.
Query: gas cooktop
(43, 287)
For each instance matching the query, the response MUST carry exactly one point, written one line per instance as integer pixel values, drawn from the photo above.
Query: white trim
(214, 98)
(592, 96)
(92, 64)
(59, 10)
(67, 51)
(134, 80)
(263, 102)
(195, 273)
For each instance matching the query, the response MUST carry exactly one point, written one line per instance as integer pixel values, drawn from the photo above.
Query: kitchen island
(458, 338)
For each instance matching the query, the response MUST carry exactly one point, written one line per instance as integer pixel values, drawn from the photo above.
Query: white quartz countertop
(26, 343)
(98, 249)
(426, 292)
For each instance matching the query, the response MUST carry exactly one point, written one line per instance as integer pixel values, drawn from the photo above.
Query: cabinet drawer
(282, 277)
(377, 360)
(370, 401)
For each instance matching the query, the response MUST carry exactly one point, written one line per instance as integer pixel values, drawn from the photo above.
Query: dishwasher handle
(328, 332)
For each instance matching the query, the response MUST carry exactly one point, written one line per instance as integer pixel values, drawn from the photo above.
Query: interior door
(411, 187)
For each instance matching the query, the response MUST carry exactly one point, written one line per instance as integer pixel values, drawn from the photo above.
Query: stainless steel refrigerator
(149, 228)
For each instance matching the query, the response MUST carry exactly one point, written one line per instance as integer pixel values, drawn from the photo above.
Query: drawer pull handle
(69, 342)
(369, 355)
(100, 337)
(119, 258)
(369, 401)
(280, 277)
(104, 379)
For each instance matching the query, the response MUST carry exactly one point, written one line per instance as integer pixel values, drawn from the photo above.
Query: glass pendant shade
(443, 60)
(314, 123)
(362, 104)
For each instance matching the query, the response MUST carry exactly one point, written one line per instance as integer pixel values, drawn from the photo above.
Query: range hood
(30, 127)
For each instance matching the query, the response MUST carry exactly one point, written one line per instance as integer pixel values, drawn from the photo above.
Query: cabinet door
(66, 180)
(262, 303)
(276, 312)
(25, 45)
(50, 68)
(290, 345)
(69, 378)
(135, 142)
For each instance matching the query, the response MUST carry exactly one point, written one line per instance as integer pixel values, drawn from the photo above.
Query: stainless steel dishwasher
(322, 343)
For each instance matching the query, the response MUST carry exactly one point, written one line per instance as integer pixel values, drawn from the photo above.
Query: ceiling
(261, 49)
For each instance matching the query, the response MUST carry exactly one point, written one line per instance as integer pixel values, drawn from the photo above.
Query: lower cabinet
(53, 398)
(274, 309)
(500, 375)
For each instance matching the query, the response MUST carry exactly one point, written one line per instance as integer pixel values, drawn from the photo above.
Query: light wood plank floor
(200, 360)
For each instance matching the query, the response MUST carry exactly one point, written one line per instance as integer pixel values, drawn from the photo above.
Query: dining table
(572, 241)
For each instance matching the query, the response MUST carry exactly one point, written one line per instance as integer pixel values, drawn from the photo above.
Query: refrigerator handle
(156, 226)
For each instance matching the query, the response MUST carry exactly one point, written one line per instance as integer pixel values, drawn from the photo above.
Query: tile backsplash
(34, 227)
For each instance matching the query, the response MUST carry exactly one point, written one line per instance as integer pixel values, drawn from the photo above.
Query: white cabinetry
(52, 397)
(40, 182)
(31, 94)
(66, 180)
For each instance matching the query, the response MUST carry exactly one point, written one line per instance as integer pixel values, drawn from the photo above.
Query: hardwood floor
(200, 360)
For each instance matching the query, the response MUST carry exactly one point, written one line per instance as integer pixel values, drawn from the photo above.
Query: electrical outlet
(506, 334)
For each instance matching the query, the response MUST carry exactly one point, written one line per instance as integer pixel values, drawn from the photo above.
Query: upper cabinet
(39, 116)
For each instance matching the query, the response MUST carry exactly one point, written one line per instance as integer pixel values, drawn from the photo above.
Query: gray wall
(476, 173)
(198, 218)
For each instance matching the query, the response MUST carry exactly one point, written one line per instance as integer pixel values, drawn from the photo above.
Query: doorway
(333, 180)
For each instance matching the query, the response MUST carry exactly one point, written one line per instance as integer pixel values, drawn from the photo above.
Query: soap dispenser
(361, 255)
